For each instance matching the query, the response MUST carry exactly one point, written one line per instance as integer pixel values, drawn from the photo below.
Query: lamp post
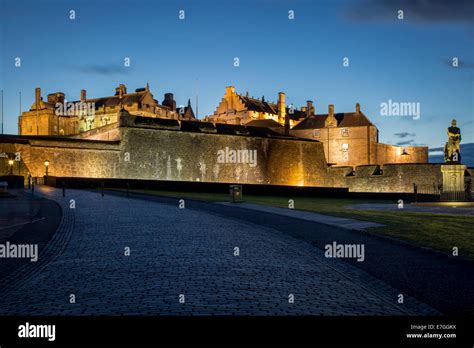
(46, 165)
(10, 163)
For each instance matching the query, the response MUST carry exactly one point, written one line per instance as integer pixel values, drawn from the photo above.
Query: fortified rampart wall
(152, 153)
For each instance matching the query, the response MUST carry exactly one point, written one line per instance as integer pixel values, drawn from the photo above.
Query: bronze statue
(452, 151)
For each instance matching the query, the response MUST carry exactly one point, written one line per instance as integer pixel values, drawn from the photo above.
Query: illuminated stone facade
(235, 108)
(57, 116)
(140, 147)
(350, 139)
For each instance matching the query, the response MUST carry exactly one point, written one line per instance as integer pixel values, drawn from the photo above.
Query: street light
(46, 165)
(10, 162)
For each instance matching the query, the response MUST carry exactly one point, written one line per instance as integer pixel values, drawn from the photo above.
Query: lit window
(345, 132)
(316, 133)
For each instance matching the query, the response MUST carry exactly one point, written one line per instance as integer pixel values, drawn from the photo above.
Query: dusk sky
(405, 60)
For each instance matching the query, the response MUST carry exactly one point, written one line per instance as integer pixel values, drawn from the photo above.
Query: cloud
(404, 135)
(406, 142)
(101, 69)
(422, 11)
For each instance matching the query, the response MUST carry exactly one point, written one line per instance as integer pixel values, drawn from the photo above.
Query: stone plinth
(453, 177)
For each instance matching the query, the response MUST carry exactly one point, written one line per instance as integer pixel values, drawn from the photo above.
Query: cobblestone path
(186, 252)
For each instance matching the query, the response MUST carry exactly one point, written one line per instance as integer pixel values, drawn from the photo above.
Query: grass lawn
(436, 231)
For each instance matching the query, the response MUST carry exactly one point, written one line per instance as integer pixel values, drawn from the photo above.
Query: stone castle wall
(176, 155)
(394, 177)
(155, 154)
(159, 154)
(394, 154)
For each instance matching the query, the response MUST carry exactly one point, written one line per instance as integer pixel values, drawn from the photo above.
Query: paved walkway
(26, 220)
(350, 224)
(459, 209)
(16, 211)
(185, 251)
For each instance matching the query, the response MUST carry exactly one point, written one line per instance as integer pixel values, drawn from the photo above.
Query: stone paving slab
(183, 251)
(350, 224)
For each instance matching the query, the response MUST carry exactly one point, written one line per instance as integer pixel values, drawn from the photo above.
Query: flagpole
(2, 111)
(197, 98)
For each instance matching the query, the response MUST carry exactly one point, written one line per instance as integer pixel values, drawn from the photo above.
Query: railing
(435, 192)
(455, 196)
(430, 189)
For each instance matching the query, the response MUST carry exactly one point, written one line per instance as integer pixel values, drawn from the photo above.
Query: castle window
(345, 132)
(316, 133)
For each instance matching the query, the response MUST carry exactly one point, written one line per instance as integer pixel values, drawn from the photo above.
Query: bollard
(64, 189)
(128, 188)
(102, 189)
(32, 188)
(235, 193)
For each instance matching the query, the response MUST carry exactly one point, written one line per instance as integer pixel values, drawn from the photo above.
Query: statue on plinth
(452, 151)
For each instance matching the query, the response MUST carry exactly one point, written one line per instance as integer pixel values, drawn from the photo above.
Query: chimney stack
(331, 110)
(281, 108)
(309, 108)
(37, 97)
(357, 108)
(169, 101)
(83, 95)
(121, 90)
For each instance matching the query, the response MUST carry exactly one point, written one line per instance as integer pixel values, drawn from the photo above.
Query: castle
(56, 116)
(131, 136)
(349, 139)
